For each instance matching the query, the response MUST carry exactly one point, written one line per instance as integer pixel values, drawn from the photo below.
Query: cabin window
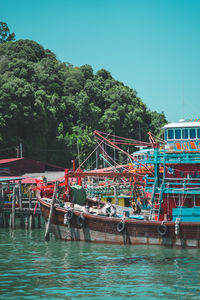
(170, 134)
(185, 133)
(198, 133)
(165, 135)
(193, 133)
(177, 134)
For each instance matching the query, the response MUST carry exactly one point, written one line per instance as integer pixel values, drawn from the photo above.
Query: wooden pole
(1, 198)
(116, 194)
(26, 222)
(30, 199)
(12, 218)
(20, 194)
(31, 221)
(39, 223)
(46, 237)
(22, 224)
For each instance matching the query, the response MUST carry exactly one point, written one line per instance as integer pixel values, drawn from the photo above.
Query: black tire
(121, 226)
(81, 220)
(162, 229)
(70, 214)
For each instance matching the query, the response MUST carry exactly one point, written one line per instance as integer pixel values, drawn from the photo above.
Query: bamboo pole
(46, 237)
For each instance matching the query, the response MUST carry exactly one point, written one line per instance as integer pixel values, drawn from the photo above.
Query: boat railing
(175, 185)
(107, 189)
(165, 156)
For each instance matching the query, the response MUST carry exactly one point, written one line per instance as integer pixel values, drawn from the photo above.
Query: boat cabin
(183, 135)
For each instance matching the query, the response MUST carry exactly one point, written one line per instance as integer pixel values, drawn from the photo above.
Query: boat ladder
(156, 200)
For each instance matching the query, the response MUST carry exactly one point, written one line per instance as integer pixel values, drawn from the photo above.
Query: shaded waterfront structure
(17, 200)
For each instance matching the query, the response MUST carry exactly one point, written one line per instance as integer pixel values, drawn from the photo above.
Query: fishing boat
(174, 218)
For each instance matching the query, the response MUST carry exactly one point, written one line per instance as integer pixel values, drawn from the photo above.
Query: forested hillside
(48, 105)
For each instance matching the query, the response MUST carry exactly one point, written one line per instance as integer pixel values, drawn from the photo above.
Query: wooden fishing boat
(175, 200)
(71, 224)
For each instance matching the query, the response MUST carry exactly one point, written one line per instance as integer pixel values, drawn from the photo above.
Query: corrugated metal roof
(182, 125)
(7, 178)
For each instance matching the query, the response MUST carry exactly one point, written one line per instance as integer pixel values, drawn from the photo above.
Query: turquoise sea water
(31, 268)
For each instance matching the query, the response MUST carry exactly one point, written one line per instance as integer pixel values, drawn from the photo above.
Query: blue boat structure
(173, 186)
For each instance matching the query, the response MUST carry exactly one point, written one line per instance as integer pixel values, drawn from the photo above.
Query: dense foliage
(52, 107)
(5, 34)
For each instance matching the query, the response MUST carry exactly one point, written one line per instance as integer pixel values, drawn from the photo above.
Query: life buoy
(81, 220)
(121, 226)
(69, 214)
(162, 229)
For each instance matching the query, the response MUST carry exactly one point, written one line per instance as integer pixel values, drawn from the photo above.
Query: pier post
(12, 215)
(6, 219)
(26, 222)
(1, 207)
(31, 221)
(30, 199)
(22, 224)
(20, 194)
(39, 222)
(46, 237)
(1, 197)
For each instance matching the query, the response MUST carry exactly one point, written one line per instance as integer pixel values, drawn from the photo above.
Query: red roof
(4, 161)
(28, 180)
(25, 180)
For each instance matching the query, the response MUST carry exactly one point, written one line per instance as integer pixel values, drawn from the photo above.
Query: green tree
(53, 108)
(5, 35)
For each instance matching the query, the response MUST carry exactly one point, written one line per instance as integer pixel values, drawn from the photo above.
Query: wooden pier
(21, 211)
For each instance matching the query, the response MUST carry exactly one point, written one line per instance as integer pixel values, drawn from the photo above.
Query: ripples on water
(33, 269)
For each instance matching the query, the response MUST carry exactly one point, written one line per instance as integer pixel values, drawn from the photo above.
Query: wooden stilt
(26, 222)
(46, 237)
(22, 224)
(1, 219)
(30, 221)
(1, 198)
(39, 222)
(33, 221)
(20, 194)
(30, 199)
(12, 221)
(6, 219)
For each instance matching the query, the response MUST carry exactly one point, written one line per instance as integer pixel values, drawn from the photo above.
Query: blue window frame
(192, 133)
(185, 133)
(165, 135)
(177, 134)
(170, 134)
(198, 133)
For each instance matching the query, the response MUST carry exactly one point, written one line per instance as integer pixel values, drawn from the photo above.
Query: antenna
(21, 151)
(183, 114)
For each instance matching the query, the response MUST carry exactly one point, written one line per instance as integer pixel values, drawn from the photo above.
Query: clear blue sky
(152, 46)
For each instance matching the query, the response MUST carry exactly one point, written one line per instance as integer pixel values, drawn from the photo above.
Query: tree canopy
(5, 34)
(52, 107)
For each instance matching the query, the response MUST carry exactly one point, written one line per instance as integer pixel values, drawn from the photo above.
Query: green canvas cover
(78, 194)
